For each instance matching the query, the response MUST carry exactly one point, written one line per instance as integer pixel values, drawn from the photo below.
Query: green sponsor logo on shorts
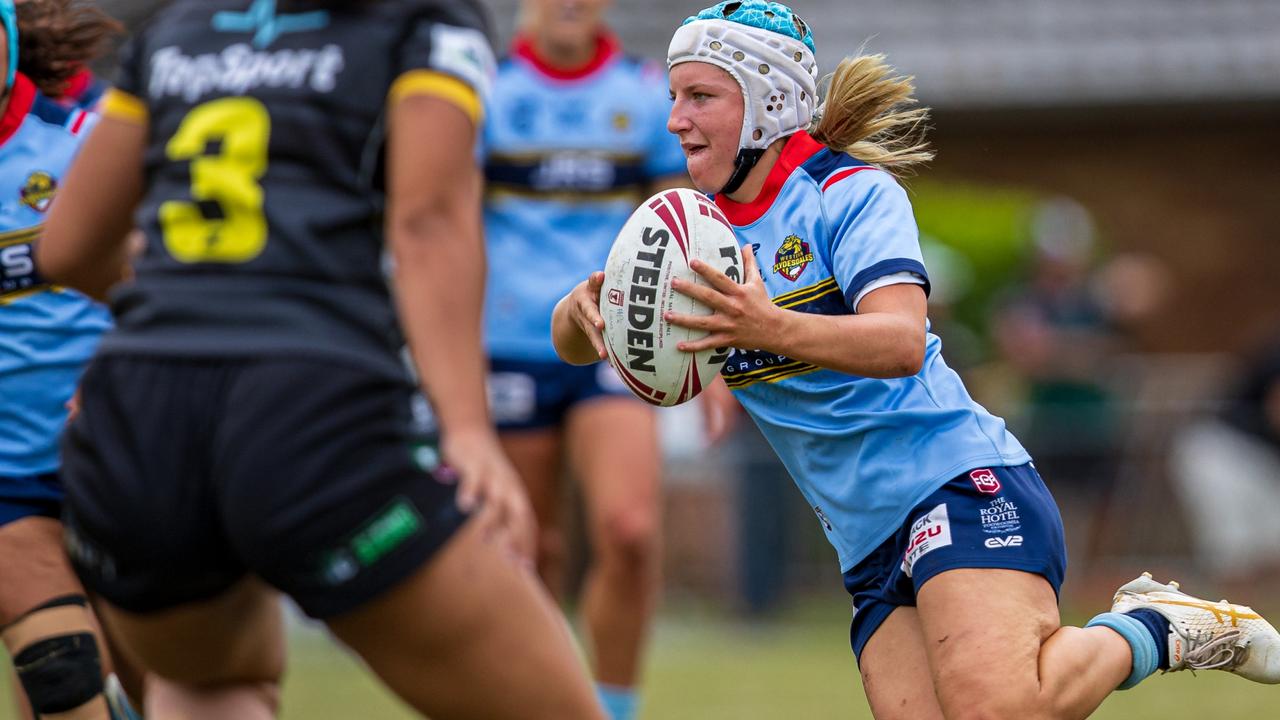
(386, 532)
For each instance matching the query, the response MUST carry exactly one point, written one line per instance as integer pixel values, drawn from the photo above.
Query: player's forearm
(439, 278)
(879, 345)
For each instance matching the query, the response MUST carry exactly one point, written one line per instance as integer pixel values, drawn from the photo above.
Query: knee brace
(56, 655)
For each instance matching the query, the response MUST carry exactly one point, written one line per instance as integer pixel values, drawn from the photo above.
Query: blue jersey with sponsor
(825, 229)
(46, 334)
(568, 156)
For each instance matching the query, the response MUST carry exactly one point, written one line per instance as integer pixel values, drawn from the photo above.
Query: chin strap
(742, 164)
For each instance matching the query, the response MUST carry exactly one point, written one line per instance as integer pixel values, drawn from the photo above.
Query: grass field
(708, 666)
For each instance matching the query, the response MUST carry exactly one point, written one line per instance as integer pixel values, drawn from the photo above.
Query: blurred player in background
(576, 137)
(46, 336)
(947, 538)
(245, 428)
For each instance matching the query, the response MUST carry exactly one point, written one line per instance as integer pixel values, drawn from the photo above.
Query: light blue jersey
(568, 156)
(826, 229)
(46, 334)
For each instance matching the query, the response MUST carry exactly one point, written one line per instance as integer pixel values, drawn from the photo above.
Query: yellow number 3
(226, 142)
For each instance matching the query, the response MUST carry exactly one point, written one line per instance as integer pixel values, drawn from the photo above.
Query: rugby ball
(653, 248)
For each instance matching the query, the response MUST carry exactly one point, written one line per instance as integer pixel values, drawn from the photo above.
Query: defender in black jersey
(248, 422)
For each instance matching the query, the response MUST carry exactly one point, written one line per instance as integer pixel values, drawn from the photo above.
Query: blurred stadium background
(1099, 224)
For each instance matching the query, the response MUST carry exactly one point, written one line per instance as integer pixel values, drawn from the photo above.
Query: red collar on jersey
(799, 148)
(607, 48)
(78, 84)
(20, 100)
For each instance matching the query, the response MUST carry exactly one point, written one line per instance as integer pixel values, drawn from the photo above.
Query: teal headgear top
(771, 16)
(9, 14)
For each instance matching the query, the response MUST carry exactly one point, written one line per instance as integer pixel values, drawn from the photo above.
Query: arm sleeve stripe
(445, 87)
(123, 106)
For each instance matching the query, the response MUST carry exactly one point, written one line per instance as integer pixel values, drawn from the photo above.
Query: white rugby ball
(653, 248)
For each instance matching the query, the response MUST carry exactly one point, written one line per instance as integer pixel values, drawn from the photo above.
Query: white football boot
(1207, 635)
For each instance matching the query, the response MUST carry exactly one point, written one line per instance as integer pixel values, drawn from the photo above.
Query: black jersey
(262, 208)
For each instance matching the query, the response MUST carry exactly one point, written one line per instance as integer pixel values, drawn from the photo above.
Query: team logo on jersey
(986, 481)
(38, 191)
(792, 258)
(621, 121)
(266, 24)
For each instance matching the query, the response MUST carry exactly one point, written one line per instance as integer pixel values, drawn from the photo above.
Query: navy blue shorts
(1001, 517)
(29, 496)
(532, 394)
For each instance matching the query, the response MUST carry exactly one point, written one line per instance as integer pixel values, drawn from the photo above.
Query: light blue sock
(1145, 654)
(620, 702)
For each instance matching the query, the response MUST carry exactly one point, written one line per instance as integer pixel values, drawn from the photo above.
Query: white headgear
(778, 74)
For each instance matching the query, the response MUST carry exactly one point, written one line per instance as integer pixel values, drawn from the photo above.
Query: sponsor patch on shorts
(928, 533)
(1000, 517)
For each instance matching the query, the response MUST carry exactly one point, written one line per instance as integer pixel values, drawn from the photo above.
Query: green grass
(705, 665)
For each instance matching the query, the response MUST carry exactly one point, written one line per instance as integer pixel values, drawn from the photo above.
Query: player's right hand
(489, 486)
(583, 305)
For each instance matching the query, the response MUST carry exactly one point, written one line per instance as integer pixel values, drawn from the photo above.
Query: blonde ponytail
(865, 115)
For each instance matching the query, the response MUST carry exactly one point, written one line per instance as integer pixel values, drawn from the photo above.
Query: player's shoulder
(844, 182)
(50, 120)
(459, 13)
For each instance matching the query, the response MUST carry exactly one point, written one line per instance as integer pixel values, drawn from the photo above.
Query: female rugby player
(46, 336)
(948, 540)
(574, 138)
(246, 428)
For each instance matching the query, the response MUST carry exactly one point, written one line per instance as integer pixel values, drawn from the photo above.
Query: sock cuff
(619, 702)
(1145, 654)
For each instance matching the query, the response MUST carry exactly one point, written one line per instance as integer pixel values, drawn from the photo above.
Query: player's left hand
(489, 486)
(743, 315)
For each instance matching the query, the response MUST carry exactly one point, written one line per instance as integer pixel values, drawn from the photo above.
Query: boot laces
(1222, 651)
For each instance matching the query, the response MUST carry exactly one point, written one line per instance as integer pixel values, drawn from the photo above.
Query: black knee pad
(60, 673)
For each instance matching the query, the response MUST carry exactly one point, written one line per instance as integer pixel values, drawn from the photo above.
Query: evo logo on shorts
(928, 533)
(384, 532)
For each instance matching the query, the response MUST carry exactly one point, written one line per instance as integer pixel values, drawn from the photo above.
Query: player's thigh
(895, 670)
(33, 566)
(235, 637)
(471, 635)
(614, 454)
(983, 629)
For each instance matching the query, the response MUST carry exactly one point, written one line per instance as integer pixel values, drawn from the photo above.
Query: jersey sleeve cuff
(121, 105)
(853, 292)
(439, 85)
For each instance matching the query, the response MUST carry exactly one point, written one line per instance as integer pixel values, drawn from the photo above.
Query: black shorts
(184, 475)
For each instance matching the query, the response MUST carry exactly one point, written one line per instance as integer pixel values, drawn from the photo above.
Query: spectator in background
(1054, 332)
(1227, 468)
(575, 139)
(1060, 333)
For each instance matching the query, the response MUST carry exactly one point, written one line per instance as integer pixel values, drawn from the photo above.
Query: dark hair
(56, 38)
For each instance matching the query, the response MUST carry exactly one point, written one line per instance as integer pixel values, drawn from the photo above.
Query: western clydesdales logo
(792, 258)
(38, 191)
